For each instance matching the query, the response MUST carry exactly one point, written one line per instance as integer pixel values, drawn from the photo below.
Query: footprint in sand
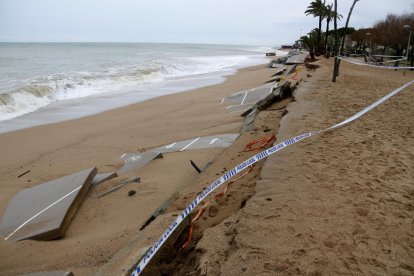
(298, 253)
(362, 212)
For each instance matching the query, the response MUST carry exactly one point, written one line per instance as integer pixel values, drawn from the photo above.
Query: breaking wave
(37, 92)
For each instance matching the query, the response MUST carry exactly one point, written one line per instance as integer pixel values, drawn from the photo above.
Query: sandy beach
(337, 203)
(206, 138)
(103, 226)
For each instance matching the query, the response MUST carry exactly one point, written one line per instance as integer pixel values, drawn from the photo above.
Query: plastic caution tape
(393, 60)
(203, 208)
(402, 57)
(244, 165)
(398, 58)
(358, 62)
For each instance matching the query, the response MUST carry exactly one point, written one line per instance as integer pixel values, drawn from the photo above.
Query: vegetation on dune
(387, 37)
(317, 8)
(325, 12)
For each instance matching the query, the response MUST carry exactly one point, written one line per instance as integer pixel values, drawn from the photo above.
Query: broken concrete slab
(279, 71)
(134, 161)
(159, 211)
(235, 98)
(127, 181)
(263, 103)
(290, 70)
(125, 260)
(279, 62)
(249, 96)
(216, 141)
(238, 108)
(297, 59)
(44, 212)
(248, 124)
(102, 177)
(277, 65)
(244, 100)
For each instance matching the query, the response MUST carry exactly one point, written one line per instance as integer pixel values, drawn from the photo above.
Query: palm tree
(317, 8)
(329, 15)
(343, 38)
(336, 41)
(310, 42)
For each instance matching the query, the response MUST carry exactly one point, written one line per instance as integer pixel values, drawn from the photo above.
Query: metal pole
(409, 41)
(411, 50)
(370, 45)
(408, 28)
(370, 42)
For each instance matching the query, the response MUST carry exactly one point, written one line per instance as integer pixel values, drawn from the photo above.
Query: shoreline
(336, 203)
(77, 108)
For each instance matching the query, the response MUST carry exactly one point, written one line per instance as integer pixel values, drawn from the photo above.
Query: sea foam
(112, 72)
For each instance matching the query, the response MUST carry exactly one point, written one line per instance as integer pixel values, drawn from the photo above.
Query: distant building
(298, 44)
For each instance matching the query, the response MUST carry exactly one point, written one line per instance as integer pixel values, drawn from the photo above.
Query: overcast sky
(250, 22)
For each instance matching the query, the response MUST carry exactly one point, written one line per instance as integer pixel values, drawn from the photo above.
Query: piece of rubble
(102, 177)
(44, 212)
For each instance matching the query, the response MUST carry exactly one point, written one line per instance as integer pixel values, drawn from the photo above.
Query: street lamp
(408, 29)
(370, 43)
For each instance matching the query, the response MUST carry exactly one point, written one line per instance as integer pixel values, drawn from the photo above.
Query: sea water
(43, 83)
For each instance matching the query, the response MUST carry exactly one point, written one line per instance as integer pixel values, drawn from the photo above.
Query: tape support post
(242, 166)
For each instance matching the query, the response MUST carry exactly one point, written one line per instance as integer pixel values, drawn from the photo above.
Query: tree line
(386, 36)
(389, 36)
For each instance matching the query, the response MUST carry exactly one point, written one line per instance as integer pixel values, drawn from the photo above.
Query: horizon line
(139, 42)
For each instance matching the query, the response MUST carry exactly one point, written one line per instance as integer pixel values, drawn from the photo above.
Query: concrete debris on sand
(134, 161)
(44, 212)
(243, 100)
(102, 177)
